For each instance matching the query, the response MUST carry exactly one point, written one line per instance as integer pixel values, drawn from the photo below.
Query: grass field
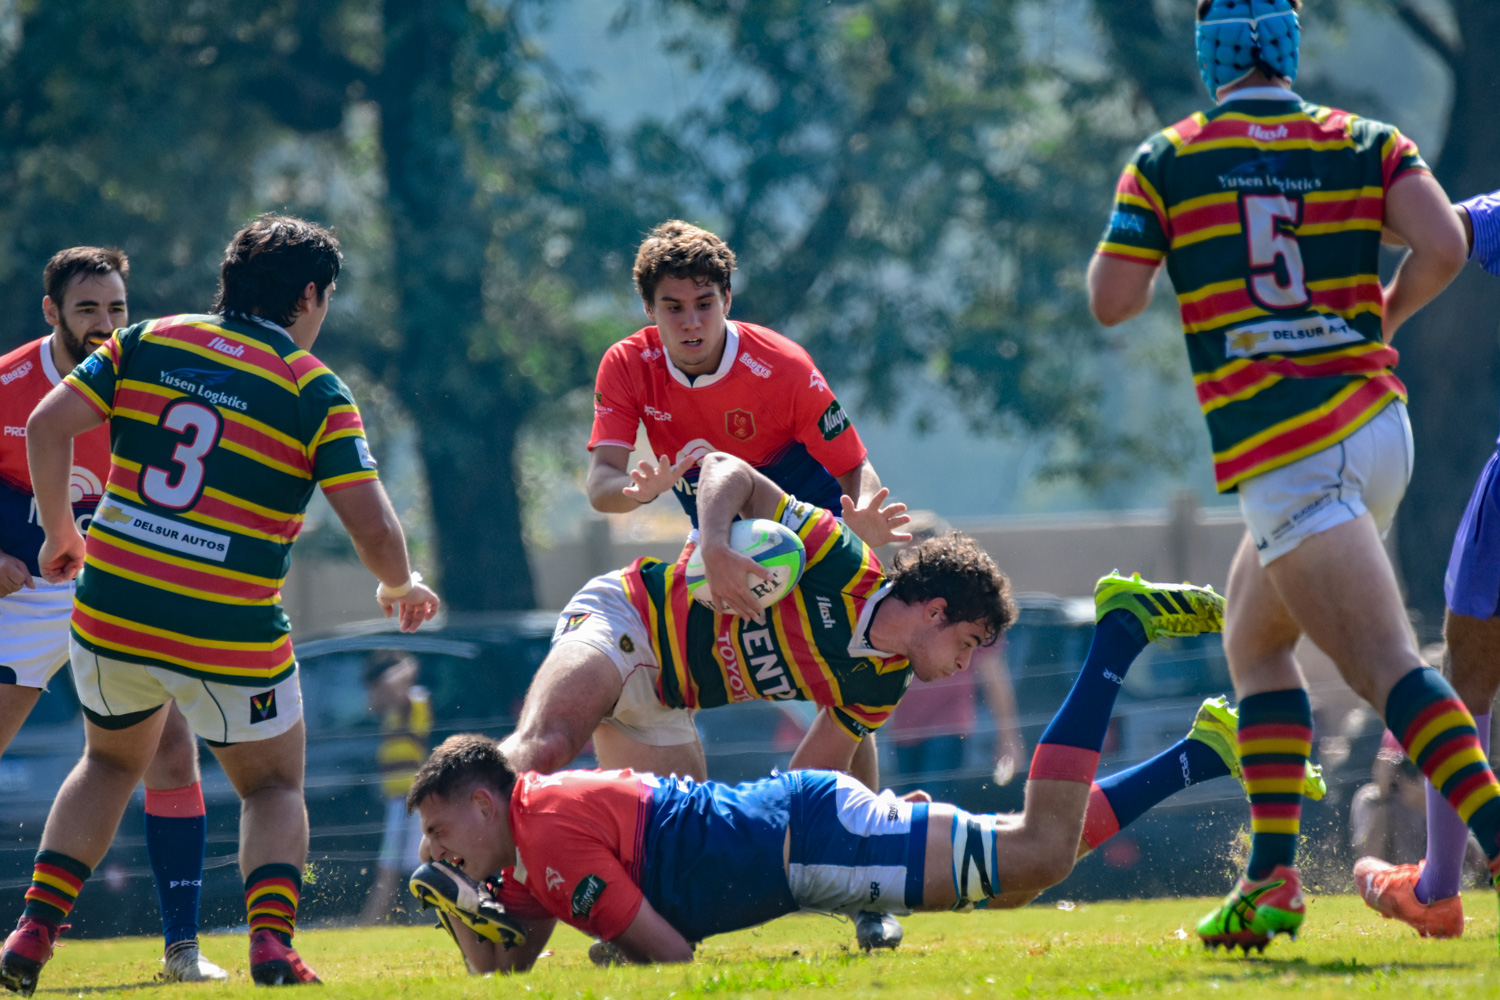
(1091, 949)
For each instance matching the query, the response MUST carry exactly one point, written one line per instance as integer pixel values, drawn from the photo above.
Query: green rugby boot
(1255, 912)
(1165, 610)
(1216, 726)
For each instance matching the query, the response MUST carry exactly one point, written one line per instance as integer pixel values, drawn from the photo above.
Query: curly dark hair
(953, 566)
(460, 764)
(677, 249)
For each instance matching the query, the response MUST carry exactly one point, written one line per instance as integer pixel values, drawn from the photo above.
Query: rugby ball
(770, 543)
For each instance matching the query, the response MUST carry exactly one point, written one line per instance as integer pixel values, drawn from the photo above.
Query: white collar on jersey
(261, 320)
(1262, 94)
(857, 644)
(49, 367)
(731, 351)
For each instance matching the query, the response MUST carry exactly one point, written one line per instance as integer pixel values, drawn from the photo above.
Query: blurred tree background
(913, 187)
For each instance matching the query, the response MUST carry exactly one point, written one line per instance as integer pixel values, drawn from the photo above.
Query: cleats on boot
(1165, 610)
(1255, 912)
(273, 963)
(26, 950)
(1390, 890)
(1216, 726)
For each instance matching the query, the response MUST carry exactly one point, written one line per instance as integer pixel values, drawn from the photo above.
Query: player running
(701, 383)
(85, 300)
(1268, 212)
(1426, 895)
(653, 865)
(220, 428)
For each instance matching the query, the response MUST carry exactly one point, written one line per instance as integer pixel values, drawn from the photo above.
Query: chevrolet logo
(114, 515)
(1244, 341)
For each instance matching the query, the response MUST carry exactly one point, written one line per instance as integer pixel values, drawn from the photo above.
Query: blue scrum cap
(1237, 36)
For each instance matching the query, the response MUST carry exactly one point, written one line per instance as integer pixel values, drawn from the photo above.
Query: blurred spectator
(932, 720)
(406, 728)
(1388, 817)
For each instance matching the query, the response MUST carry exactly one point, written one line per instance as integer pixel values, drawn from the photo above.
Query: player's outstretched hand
(726, 572)
(61, 557)
(13, 575)
(875, 524)
(416, 606)
(647, 481)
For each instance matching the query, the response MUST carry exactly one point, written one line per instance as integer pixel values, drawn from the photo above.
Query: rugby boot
(26, 950)
(184, 963)
(1390, 890)
(275, 963)
(1255, 912)
(1216, 726)
(1165, 610)
(451, 890)
(877, 930)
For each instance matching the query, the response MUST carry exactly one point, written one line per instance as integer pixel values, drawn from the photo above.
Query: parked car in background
(477, 669)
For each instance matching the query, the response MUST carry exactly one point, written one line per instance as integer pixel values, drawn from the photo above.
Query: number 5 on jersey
(1270, 224)
(179, 488)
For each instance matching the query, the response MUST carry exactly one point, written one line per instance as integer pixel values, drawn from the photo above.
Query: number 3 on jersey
(1270, 221)
(200, 426)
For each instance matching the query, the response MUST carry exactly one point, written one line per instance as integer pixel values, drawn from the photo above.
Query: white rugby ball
(770, 543)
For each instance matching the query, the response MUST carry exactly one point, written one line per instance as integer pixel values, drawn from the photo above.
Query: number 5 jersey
(220, 427)
(1268, 211)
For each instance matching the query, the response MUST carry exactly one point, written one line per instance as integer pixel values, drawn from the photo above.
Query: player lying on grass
(654, 864)
(1425, 895)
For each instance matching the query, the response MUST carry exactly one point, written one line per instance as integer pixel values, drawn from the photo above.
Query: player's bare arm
(1119, 289)
(484, 957)
(651, 940)
(728, 487)
(615, 488)
(1418, 211)
(827, 747)
(865, 510)
(373, 527)
(60, 417)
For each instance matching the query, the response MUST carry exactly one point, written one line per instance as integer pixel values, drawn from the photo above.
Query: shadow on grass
(1258, 968)
(115, 988)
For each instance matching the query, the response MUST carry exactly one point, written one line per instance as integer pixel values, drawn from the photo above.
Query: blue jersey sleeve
(1484, 214)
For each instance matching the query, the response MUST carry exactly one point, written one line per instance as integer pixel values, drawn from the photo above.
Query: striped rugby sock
(55, 883)
(1275, 740)
(271, 894)
(1438, 733)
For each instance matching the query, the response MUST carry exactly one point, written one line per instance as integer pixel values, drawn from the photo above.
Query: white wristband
(384, 593)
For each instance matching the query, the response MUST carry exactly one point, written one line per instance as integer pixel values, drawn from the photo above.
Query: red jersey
(767, 403)
(26, 375)
(581, 865)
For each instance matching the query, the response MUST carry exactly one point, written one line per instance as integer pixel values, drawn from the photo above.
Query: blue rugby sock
(1133, 791)
(1069, 749)
(176, 839)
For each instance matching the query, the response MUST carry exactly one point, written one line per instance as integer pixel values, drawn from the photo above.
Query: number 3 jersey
(1268, 211)
(26, 375)
(220, 428)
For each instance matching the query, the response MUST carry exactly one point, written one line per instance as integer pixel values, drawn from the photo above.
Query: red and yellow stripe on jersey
(220, 429)
(811, 648)
(1268, 214)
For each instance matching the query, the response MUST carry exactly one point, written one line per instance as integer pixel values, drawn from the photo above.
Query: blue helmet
(1238, 36)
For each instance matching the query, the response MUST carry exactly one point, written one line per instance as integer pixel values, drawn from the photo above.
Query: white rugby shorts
(601, 616)
(1367, 472)
(117, 694)
(34, 633)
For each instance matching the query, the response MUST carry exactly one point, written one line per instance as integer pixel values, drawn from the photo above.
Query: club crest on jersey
(573, 621)
(263, 706)
(627, 645)
(739, 424)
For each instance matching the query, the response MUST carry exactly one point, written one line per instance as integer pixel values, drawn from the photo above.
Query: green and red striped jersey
(1268, 211)
(220, 427)
(813, 646)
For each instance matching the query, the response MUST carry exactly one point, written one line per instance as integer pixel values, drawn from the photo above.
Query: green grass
(1099, 949)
